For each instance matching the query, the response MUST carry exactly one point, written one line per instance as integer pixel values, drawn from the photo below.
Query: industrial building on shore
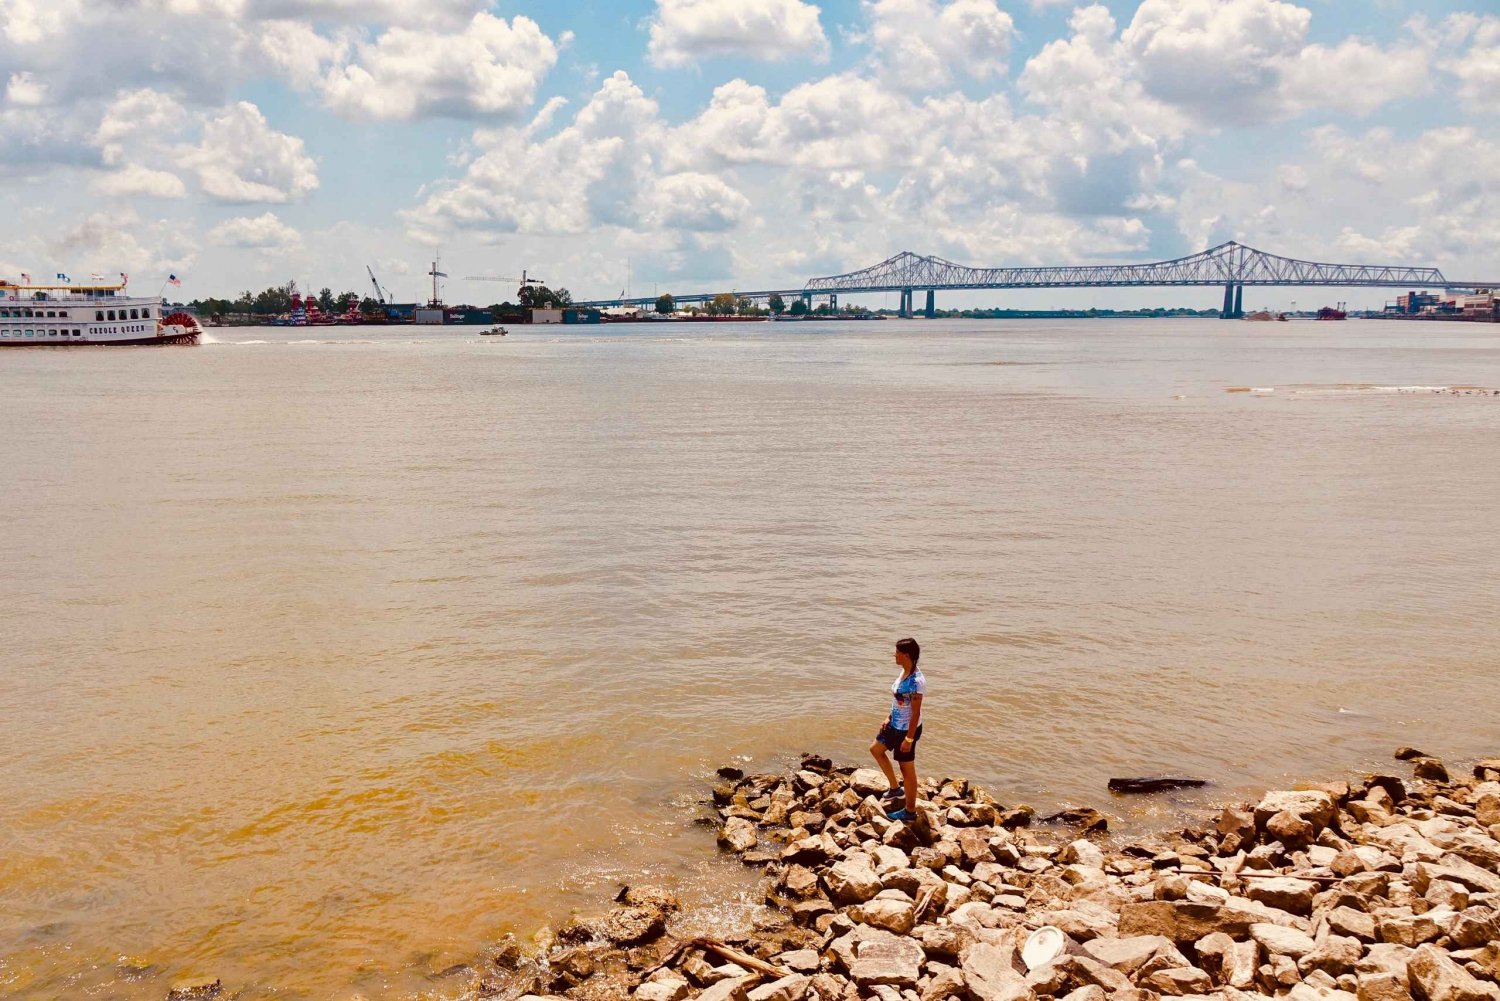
(1481, 305)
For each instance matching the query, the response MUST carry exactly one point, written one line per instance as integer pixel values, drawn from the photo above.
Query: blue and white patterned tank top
(902, 689)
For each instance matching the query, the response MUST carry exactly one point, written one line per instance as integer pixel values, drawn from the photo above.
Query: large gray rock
(1382, 987)
(1434, 976)
(1409, 929)
(1351, 922)
(991, 975)
(1086, 919)
(1284, 893)
(728, 990)
(896, 916)
(868, 782)
(1230, 963)
(1083, 852)
(1475, 927)
(1312, 806)
(1182, 921)
(852, 881)
(946, 941)
(737, 834)
(1334, 955)
(1085, 969)
(1456, 870)
(1128, 954)
(946, 983)
(1179, 982)
(792, 988)
(1088, 992)
(1384, 958)
(892, 959)
(664, 985)
(1281, 941)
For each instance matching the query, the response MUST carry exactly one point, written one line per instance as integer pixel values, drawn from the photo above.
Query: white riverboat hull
(93, 316)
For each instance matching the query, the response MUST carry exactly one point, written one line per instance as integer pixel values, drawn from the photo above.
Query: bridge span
(1230, 265)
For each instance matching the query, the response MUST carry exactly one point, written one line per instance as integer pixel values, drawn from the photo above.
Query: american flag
(124, 278)
(172, 280)
(25, 278)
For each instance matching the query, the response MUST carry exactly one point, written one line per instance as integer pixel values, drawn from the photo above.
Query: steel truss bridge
(1230, 265)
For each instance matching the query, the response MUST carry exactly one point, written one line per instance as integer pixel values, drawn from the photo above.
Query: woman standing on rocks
(902, 731)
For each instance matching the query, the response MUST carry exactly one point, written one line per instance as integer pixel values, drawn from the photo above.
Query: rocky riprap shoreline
(1386, 889)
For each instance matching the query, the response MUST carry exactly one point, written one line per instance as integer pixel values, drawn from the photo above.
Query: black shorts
(892, 738)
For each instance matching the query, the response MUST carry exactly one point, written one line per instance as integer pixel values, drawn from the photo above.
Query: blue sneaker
(900, 814)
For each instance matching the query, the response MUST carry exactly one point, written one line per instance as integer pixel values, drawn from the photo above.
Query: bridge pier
(807, 300)
(931, 303)
(833, 301)
(905, 310)
(1234, 302)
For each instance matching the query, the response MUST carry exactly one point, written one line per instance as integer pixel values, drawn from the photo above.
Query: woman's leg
(909, 774)
(877, 750)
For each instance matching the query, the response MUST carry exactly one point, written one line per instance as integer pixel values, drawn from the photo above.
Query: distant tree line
(277, 299)
(729, 304)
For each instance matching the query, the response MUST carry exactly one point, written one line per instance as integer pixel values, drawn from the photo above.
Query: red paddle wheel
(179, 328)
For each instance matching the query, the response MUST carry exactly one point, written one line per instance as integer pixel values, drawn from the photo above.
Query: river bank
(1380, 889)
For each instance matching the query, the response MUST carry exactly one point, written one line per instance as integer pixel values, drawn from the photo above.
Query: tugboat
(495, 332)
(1334, 313)
(98, 313)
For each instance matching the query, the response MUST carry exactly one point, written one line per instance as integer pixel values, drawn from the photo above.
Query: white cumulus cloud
(135, 179)
(684, 32)
(1234, 62)
(491, 68)
(1478, 66)
(924, 44)
(263, 232)
(24, 90)
(242, 159)
(590, 173)
(697, 202)
(1378, 196)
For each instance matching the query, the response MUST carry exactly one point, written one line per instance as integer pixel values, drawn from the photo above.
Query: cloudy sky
(709, 144)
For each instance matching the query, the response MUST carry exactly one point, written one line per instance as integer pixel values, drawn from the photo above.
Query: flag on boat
(124, 278)
(62, 277)
(172, 280)
(25, 278)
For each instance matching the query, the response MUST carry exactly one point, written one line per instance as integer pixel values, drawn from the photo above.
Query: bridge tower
(931, 303)
(1234, 302)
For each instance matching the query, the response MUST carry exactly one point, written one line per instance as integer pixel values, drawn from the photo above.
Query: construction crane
(382, 295)
(437, 300)
(523, 281)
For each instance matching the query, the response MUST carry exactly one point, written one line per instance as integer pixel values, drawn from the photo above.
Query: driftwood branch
(1252, 873)
(730, 953)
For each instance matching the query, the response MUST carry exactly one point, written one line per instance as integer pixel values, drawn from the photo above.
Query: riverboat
(98, 313)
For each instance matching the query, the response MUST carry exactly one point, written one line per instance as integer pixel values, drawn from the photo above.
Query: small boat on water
(495, 332)
(97, 313)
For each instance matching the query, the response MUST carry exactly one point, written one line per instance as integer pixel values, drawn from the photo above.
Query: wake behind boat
(94, 314)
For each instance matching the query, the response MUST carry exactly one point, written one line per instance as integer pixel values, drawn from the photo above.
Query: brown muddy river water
(328, 657)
